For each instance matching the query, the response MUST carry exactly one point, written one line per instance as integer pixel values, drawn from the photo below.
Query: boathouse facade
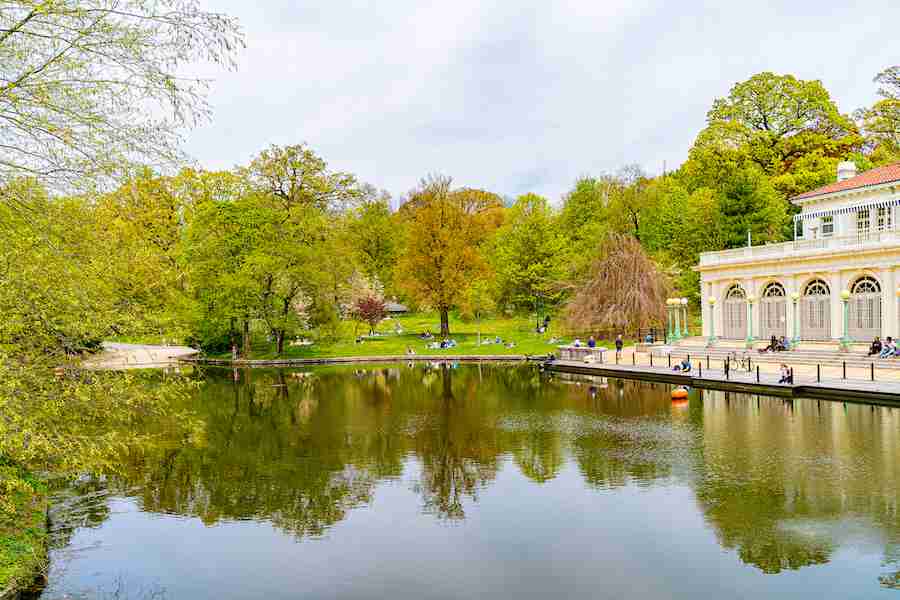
(846, 249)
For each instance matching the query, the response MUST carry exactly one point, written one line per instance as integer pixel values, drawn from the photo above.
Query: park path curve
(117, 355)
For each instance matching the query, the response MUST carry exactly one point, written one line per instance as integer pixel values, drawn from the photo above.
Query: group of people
(777, 345)
(886, 349)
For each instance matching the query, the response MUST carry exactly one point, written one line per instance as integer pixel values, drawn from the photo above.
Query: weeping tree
(624, 289)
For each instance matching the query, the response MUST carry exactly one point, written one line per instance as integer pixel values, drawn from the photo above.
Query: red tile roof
(885, 174)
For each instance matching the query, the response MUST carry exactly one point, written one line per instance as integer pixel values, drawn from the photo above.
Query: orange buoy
(679, 393)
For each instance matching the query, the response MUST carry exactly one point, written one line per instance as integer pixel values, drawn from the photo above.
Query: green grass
(518, 330)
(23, 531)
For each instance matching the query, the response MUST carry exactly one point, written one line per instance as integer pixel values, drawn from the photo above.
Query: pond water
(433, 481)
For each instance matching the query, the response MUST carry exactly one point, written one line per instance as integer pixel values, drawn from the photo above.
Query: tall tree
(373, 234)
(297, 198)
(790, 128)
(624, 291)
(445, 231)
(88, 87)
(528, 254)
(881, 122)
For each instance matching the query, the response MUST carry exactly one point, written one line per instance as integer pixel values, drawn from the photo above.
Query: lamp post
(750, 300)
(795, 339)
(845, 339)
(676, 309)
(712, 320)
(669, 329)
(684, 309)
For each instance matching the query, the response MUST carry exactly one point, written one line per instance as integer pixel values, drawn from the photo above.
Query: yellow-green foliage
(23, 532)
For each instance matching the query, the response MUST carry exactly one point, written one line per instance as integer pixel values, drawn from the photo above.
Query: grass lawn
(518, 330)
(23, 531)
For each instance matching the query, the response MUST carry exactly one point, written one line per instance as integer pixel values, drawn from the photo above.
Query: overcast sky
(523, 96)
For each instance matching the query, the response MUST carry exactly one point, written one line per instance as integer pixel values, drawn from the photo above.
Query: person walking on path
(619, 344)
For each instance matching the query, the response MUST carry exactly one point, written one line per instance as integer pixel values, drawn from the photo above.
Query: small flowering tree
(370, 309)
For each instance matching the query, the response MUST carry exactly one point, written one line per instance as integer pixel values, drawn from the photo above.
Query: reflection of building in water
(778, 478)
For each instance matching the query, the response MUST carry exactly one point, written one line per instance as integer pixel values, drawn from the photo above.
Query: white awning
(847, 209)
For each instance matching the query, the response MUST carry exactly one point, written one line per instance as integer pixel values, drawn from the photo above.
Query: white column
(705, 288)
(835, 282)
(791, 285)
(889, 300)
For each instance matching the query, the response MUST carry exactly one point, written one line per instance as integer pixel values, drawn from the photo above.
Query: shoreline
(329, 360)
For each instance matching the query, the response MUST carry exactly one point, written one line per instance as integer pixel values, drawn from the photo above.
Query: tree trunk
(246, 338)
(279, 338)
(445, 322)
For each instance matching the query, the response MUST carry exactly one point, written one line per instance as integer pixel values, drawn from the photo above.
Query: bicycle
(741, 362)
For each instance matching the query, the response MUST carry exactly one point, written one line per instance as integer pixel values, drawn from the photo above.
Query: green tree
(584, 219)
(373, 234)
(881, 122)
(88, 87)
(789, 128)
(296, 197)
(445, 231)
(528, 254)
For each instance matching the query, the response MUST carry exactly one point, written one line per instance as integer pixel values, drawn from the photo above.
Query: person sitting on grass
(410, 351)
(510, 345)
(875, 348)
(888, 349)
(684, 366)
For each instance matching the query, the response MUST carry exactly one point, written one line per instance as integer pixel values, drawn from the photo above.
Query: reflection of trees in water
(457, 449)
(302, 450)
(775, 477)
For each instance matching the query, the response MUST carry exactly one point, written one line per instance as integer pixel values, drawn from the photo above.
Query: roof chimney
(846, 170)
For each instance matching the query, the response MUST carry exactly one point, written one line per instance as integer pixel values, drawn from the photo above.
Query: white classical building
(846, 249)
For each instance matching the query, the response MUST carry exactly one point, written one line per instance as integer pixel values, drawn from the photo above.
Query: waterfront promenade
(760, 379)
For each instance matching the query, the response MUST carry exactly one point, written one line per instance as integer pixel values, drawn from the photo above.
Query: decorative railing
(859, 240)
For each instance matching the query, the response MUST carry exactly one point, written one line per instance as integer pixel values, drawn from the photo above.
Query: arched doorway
(865, 309)
(773, 312)
(734, 313)
(815, 311)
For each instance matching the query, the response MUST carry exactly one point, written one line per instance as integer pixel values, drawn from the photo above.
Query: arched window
(866, 285)
(817, 287)
(735, 292)
(773, 290)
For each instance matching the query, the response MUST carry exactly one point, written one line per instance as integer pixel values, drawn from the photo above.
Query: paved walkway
(138, 356)
(766, 382)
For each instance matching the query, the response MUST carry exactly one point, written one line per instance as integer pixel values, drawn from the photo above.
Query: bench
(581, 354)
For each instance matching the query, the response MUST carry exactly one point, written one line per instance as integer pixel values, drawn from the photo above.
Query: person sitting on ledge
(888, 348)
(783, 344)
(875, 348)
(787, 375)
(684, 366)
(772, 347)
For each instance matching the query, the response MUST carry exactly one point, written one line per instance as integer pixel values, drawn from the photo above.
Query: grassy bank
(398, 334)
(23, 529)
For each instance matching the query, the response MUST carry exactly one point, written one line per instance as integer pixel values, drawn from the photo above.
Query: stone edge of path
(287, 362)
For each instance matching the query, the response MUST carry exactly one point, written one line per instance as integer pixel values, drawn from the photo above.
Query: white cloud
(517, 97)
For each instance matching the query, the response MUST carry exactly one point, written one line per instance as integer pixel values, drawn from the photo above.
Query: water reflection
(785, 485)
